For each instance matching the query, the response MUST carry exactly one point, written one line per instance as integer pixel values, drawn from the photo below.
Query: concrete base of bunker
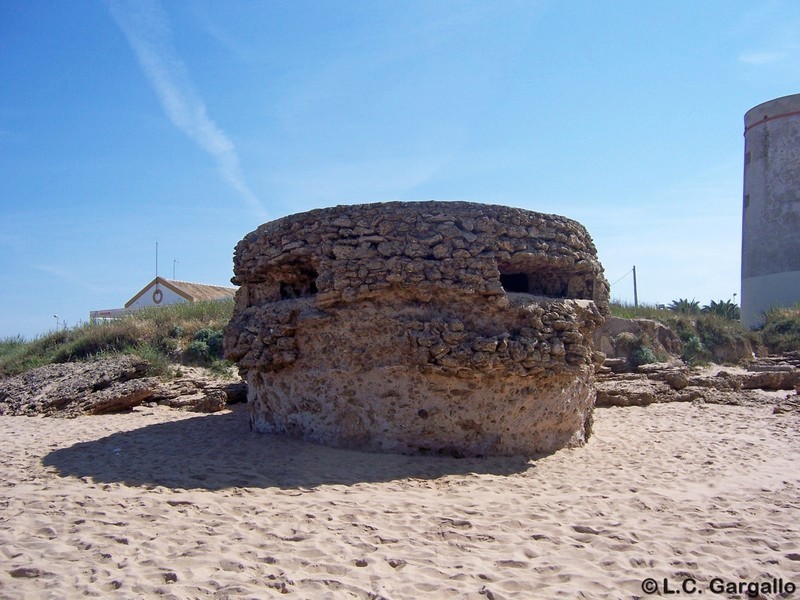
(439, 415)
(396, 376)
(401, 333)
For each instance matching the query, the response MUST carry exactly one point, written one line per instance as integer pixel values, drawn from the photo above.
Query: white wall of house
(167, 297)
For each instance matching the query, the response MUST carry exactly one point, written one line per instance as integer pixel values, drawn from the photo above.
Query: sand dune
(163, 503)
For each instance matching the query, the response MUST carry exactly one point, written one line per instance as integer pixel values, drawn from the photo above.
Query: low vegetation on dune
(164, 336)
(781, 332)
(705, 330)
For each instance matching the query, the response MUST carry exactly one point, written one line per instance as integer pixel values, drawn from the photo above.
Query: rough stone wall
(415, 327)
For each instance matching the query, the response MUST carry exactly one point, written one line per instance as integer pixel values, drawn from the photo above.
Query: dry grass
(161, 335)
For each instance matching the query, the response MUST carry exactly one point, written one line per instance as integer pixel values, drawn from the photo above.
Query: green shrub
(198, 351)
(642, 352)
(213, 339)
(642, 355)
(716, 331)
(781, 330)
(206, 346)
(694, 352)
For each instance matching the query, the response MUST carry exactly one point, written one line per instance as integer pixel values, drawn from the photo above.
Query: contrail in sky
(146, 26)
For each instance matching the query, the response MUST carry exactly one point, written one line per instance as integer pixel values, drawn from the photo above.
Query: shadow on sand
(216, 452)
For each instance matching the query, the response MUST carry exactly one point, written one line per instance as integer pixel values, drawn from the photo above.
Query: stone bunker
(420, 328)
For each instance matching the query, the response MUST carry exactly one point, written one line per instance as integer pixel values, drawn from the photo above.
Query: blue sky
(129, 123)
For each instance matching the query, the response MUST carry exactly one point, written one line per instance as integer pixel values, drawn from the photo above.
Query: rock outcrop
(618, 337)
(108, 385)
(761, 383)
(423, 327)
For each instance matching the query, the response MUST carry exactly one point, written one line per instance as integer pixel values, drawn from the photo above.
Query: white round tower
(771, 213)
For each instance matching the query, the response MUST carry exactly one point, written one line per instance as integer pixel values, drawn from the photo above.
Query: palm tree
(724, 308)
(684, 306)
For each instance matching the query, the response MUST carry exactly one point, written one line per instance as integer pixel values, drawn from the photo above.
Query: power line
(623, 277)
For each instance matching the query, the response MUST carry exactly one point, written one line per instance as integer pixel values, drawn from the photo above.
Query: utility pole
(635, 293)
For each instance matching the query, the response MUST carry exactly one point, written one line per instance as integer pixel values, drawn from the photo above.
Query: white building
(163, 292)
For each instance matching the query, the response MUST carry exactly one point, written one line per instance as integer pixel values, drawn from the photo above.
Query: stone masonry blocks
(420, 327)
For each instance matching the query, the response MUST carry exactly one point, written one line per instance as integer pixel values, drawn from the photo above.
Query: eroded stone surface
(108, 385)
(761, 383)
(429, 327)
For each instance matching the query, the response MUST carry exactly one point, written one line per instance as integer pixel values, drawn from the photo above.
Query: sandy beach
(159, 503)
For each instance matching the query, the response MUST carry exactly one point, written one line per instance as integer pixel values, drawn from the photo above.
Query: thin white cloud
(146, 27)
(762, 58)
(202, 11)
